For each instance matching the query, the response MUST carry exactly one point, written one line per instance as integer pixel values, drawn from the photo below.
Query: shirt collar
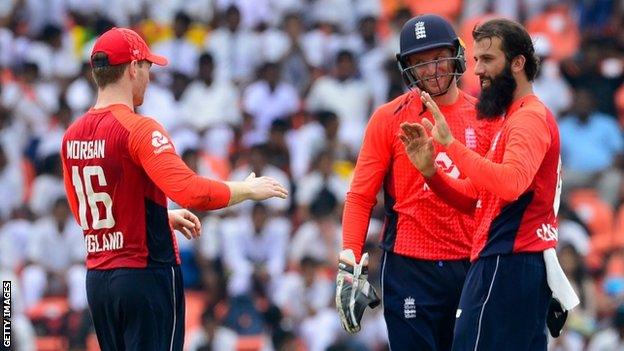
(519, 103)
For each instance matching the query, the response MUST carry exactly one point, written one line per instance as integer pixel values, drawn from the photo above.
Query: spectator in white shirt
(253, 12)
(56, 253)
(371, 56)
(303, 144)
(12, 46)
(337, 12)
(31, 99)
(235, 49)
(321, 44)
(209, 101)
(611, 339)
(346, 94)
(212, 335)
(397, 21)
(54, 54)
(81, 92)
(321, 330)
(14, 235)
(255, 251)
(295, 65)
(12, 136)
(269, 98)
(59, 122)
(320, 237)
(322, 177)
(305, 292)
(331, 127)
(277, 145)
(549, 84)
(47, 186)
(180, 52)
(11, 185)
(161, 104)
(258, 163)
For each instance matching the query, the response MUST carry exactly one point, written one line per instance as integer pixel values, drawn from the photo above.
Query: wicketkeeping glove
(353, 291)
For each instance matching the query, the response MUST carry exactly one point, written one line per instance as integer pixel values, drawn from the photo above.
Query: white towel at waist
(558, 282)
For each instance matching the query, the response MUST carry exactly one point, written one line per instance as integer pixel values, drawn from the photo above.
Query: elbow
(181, 200)
(360, 199)
(514, 187)
(209, 198)
(189, 202)
(510, 195)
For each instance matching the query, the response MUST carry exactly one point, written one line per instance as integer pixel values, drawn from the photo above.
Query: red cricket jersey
(515, 188)
(118, 168)
(418, 224)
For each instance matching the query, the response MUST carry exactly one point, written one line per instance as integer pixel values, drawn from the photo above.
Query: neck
(449, 98)
(523, 89)
(113, 95)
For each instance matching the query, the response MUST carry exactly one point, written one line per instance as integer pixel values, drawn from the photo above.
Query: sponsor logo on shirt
(547, 232)
(409, 307)
(160, 142)
(444, 162)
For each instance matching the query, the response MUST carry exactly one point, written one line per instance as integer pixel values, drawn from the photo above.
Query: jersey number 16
(92, 198)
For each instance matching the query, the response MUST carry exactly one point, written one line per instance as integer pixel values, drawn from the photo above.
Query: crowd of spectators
(284, 88)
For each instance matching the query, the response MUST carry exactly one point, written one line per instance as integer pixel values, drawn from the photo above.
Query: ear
(517, 64)
(133, 69)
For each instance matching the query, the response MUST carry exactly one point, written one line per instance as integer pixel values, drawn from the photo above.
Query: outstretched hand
(440, 130)
(418, 147)
(262, 188)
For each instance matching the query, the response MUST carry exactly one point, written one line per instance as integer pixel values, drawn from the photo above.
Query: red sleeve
(370, 170)
(151, 147)
(458, 193)
(526, 141)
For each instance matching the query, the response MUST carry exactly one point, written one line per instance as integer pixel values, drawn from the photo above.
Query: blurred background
(284, 88)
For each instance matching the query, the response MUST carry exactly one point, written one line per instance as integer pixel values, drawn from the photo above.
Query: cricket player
(426, 242)
(119, 169)
(513, 193)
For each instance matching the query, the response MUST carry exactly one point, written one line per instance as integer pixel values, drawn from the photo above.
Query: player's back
(121, 211)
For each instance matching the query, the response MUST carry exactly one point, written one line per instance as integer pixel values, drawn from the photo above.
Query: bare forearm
(239, 192)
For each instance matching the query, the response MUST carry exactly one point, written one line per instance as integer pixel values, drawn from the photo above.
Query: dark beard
(495, 99)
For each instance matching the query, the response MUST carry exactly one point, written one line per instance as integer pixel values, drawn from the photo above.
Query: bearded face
(496, 93)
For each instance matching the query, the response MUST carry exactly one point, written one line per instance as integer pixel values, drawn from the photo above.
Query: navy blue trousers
(137, 309)
(503, 305)
(420, 301)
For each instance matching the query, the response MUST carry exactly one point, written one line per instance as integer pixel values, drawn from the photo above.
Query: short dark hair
(515, 41)
(206, 58)
(345, 54)
(104, 74)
